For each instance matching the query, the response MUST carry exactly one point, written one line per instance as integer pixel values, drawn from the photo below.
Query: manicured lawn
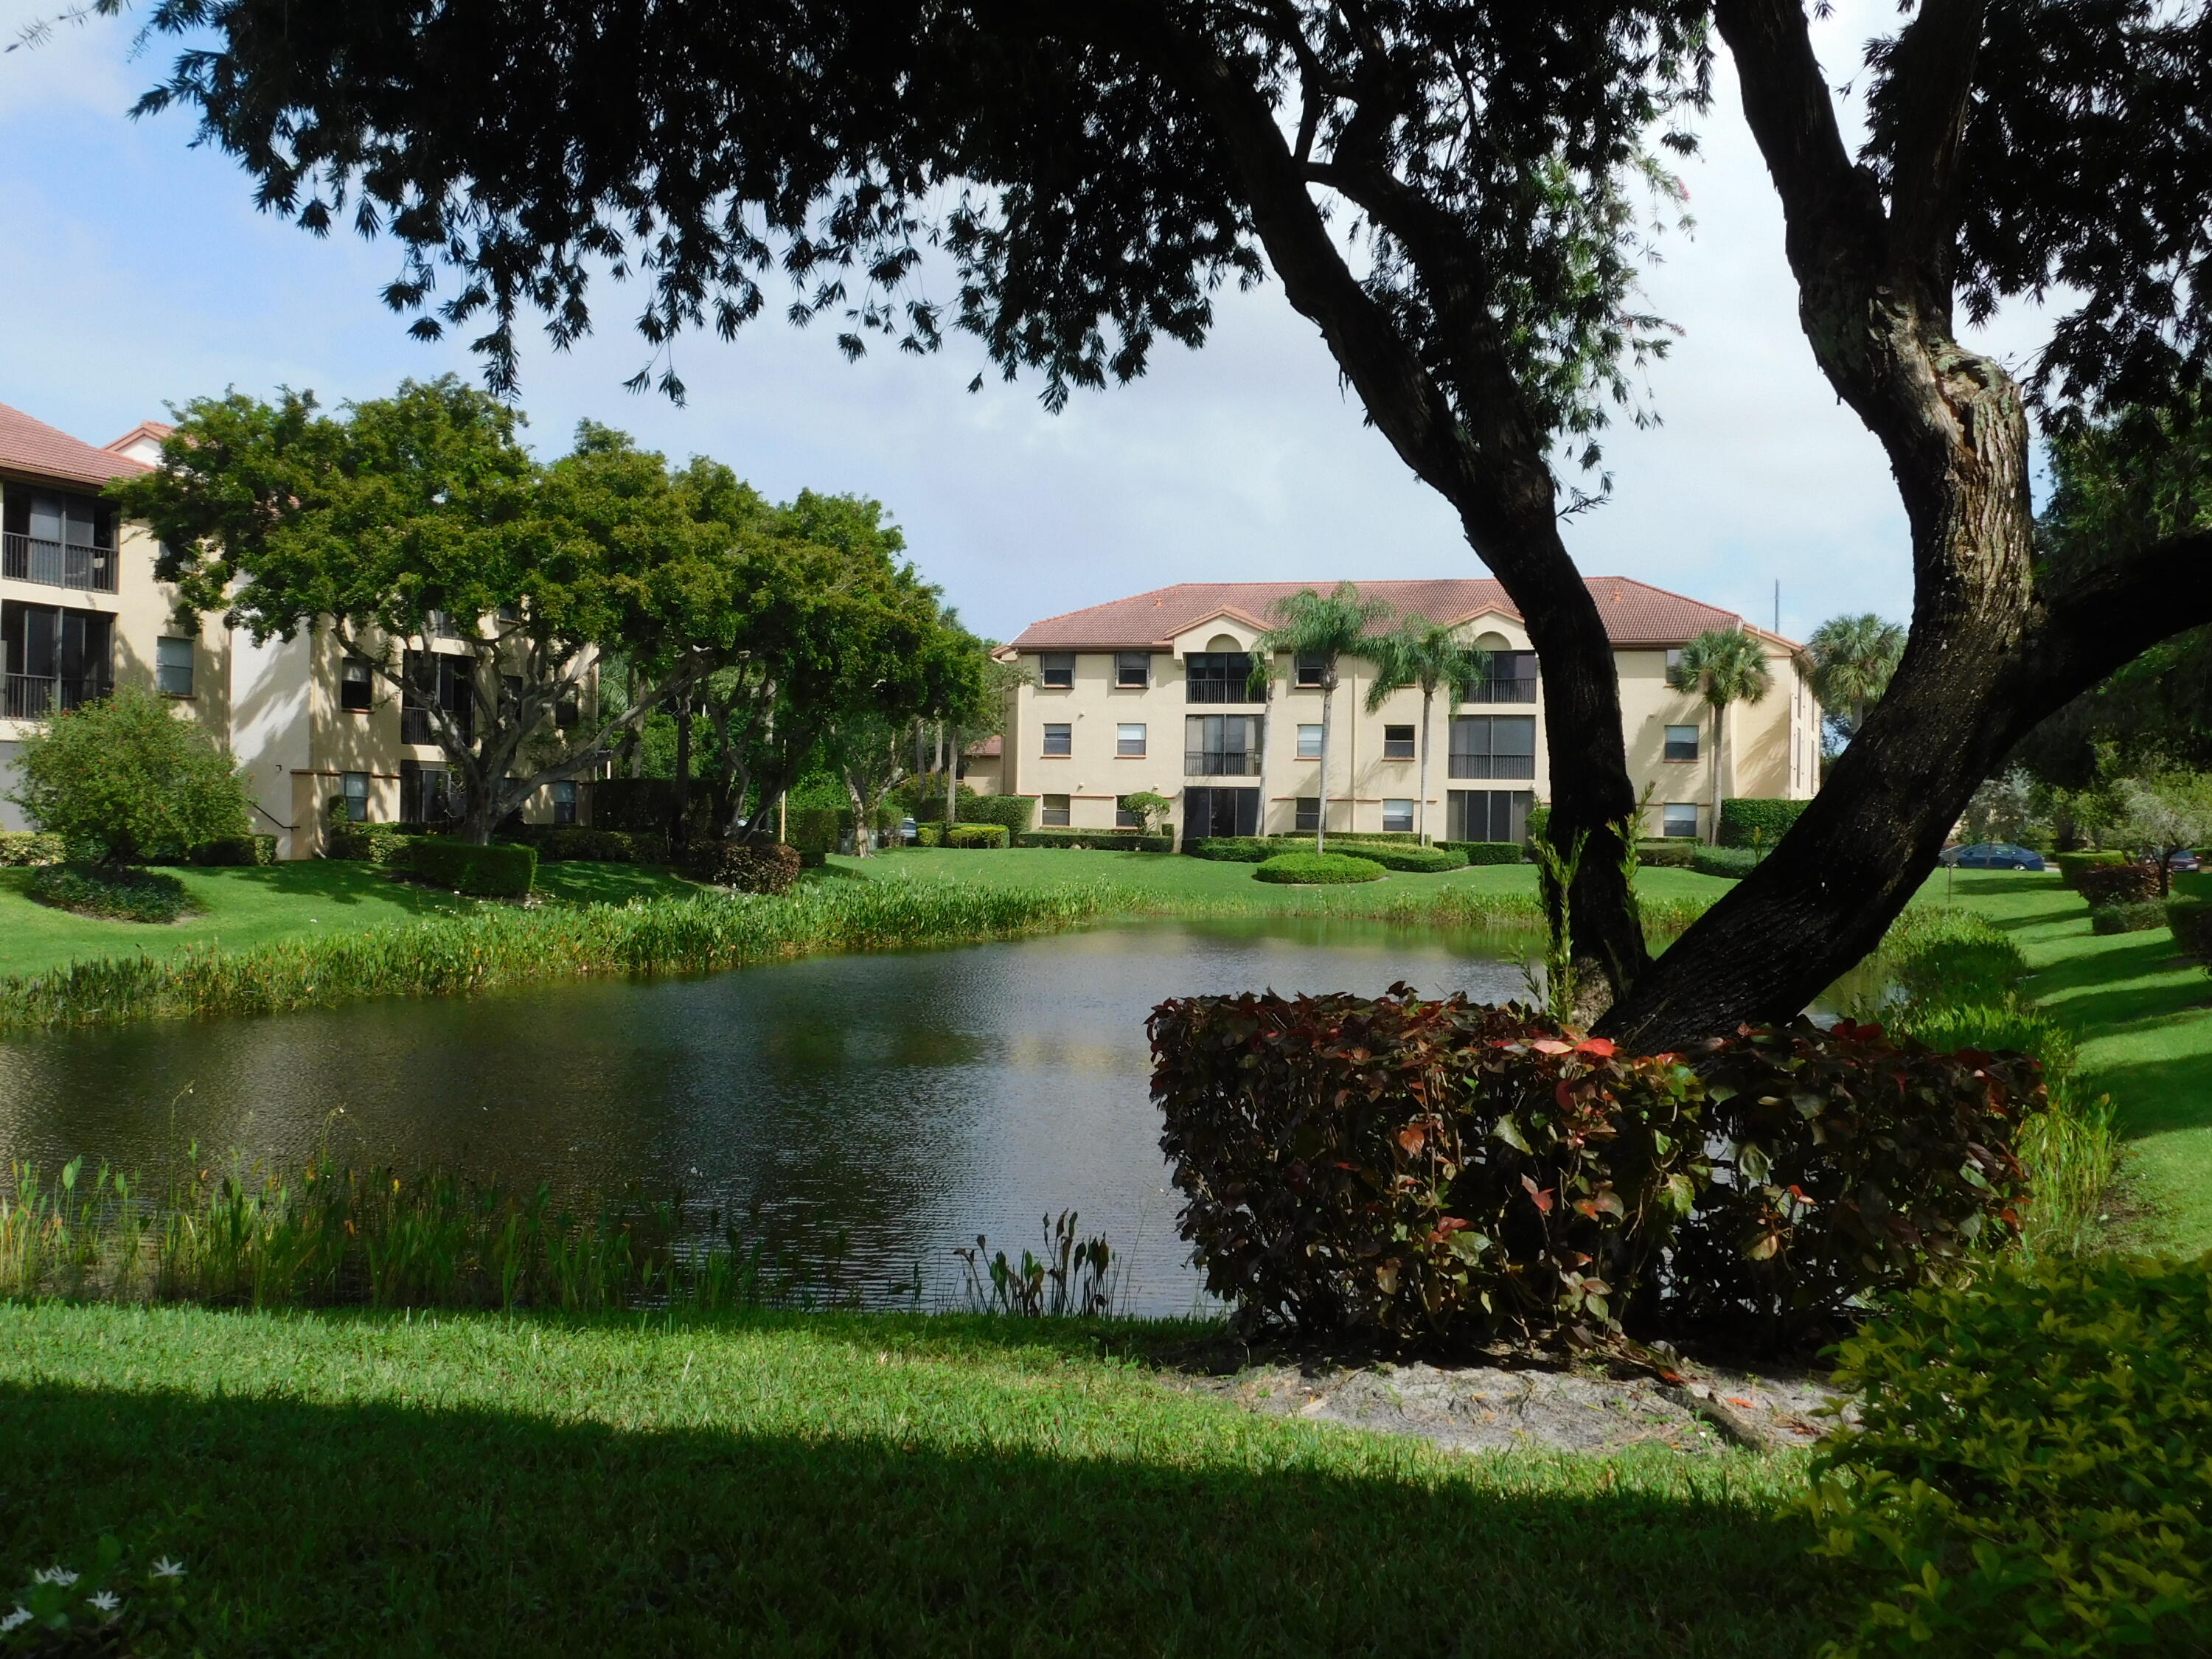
(2144, 1015)
(837, 1485)
(248, 907)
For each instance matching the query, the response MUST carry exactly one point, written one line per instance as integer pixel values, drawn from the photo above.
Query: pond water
(909, 1101)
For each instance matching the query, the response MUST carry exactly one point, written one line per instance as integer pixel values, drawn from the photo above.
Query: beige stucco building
(80, 613)
(1151, 694)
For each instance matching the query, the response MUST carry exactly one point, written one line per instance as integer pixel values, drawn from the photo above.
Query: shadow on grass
(332, 881)
(2157, 1096)
(582, 882)
(382, 1529)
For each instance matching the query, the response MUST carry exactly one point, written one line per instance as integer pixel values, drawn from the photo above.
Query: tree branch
(2115, 613)
(1934, 77)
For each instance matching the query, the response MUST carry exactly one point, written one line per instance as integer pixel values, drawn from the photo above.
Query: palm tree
(1853, 658)
(1724, 666)
(1431, 658)
(1308, 625)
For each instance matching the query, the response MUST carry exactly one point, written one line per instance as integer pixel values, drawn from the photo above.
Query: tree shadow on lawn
(2158, 1096)
(2104, 991)
(381, 1529)
(579, 881)
(336, 881)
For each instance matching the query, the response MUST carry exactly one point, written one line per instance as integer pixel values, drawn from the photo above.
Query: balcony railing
(1513, 689)
(57, 564)
(31, 696)
(1221, 763)
(415, 726)
(1493, 766)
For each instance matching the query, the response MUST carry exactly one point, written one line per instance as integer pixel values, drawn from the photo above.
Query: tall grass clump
(1954, 981)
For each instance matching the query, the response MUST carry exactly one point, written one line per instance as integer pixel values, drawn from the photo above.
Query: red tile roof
(1636, 613)
(987, 749)
(33, 449)
(156, 430)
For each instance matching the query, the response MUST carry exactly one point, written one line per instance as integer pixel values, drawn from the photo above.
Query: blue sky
(134, 272)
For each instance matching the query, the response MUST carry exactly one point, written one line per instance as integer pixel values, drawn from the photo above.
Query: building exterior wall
(1771, 747)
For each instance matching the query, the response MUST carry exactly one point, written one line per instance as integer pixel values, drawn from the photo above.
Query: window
(1129, 740)
(1056, 670)
(1512, 678)
(356, 786)
(1488, 814)
(1060, 740)
(1397, 743)
(1493, 747)
(1312, 670)
(510, 693)
(63, 541)
(1681, 742)
(1398, 816)
(1221, 745)
(57, 659)
(1308, 743)
(173, 667)
(1125, 815)
(1680, 820)
(1053, 811)
(1215, 812)
(435, 681)
(1309, 814)
(437, 624)
(567, 712)
(564, 803)
(1674, 658)
(510, 612)
(1133, 669)
(1218, 676)
(357, 690)
(426, 794)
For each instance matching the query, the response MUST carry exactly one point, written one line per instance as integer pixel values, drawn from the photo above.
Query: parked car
(1992, 855)
(2184, 862)
(907, 834)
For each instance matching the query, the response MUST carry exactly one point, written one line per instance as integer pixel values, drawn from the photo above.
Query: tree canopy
(1457, 194)
(129, 776)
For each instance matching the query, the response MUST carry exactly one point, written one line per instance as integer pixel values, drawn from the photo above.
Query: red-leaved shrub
(745, 867)
(2118, 883)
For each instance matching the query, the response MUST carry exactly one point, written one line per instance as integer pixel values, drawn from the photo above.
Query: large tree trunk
(683, 771)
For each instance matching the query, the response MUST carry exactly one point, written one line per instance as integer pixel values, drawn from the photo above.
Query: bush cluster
(1119, 840)
(970, 836)
(501, 870)
(2136, 916)
(1667, 853)
(1761, 821)
(743, 866)
(1733, 862)
(1317, 869)
(235, 850)
(566, 843)
(19, 847)
(1488, 852)
(1415, 860)
(2032, 1467)
(817, 828)
(1252, 849)
(2186, 917)
(371, 843)
(2118, 883)
(115, 892)
(1012, 813)
(1443, 1169)
(2071, 865)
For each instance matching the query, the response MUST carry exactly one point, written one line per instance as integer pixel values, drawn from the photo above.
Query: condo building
(1156, 694)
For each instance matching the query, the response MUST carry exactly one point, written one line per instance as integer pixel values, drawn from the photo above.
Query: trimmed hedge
(1317, 869)
(2186, 915)
(1770, 817)
(110, 893)
(19, 847)
(501, 870)
(1666, 852)
(1251, 849)
(1444, 1169)
(2071, 865)
(1416, 860)
(2118, 883)
(2031, 1471)
(744, 866)
(1488, 852)
(1231, 849)
(1116, 840)
(2136, 917)
(973, 836)
(817, 828)
(1733, 862)
(1012, 813)
(372, 843)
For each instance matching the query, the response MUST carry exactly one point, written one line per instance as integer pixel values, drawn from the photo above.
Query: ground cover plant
(115, 892)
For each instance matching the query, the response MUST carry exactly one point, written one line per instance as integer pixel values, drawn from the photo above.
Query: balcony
(57, 564)
(1493, 766)
(33, 696)
(1515, 689)
(1221, 763)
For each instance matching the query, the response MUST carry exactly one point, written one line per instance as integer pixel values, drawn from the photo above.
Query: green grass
(824, 1483)
(246, 907)
(2142, 1014)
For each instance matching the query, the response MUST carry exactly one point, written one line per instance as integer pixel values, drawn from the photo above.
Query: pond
(907, 1101)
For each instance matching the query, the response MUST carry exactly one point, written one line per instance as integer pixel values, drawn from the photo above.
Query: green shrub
(235, 850)
(817, 828)
(1938, 956)
(1120, 840)
(1417, 860)
(1539, 820)
(1231, 849)
(1486, 852)
(975, 834)
(929, 834)
(1445, 1169)
(116, 892)
(19, 848)
(1758, 821)
(2032, 1467)
(371, 843)
(571, 843)
(499, 871)
(1012, 813)
(1667, 853)
(2118, 883)
(1733, 862)
(1317, 869)
(2135, 917)
(2185, 918)
(744, 866)
(128, 775)
(2071, 865)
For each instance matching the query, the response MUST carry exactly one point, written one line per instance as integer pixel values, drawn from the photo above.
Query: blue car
(1992, 855)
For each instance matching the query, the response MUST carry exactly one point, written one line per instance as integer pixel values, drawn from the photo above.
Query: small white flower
(61, 1575)
(165, 1568)
(106, 1600)
(14, 1621)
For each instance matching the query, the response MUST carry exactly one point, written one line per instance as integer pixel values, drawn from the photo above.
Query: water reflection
(910, 1101)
